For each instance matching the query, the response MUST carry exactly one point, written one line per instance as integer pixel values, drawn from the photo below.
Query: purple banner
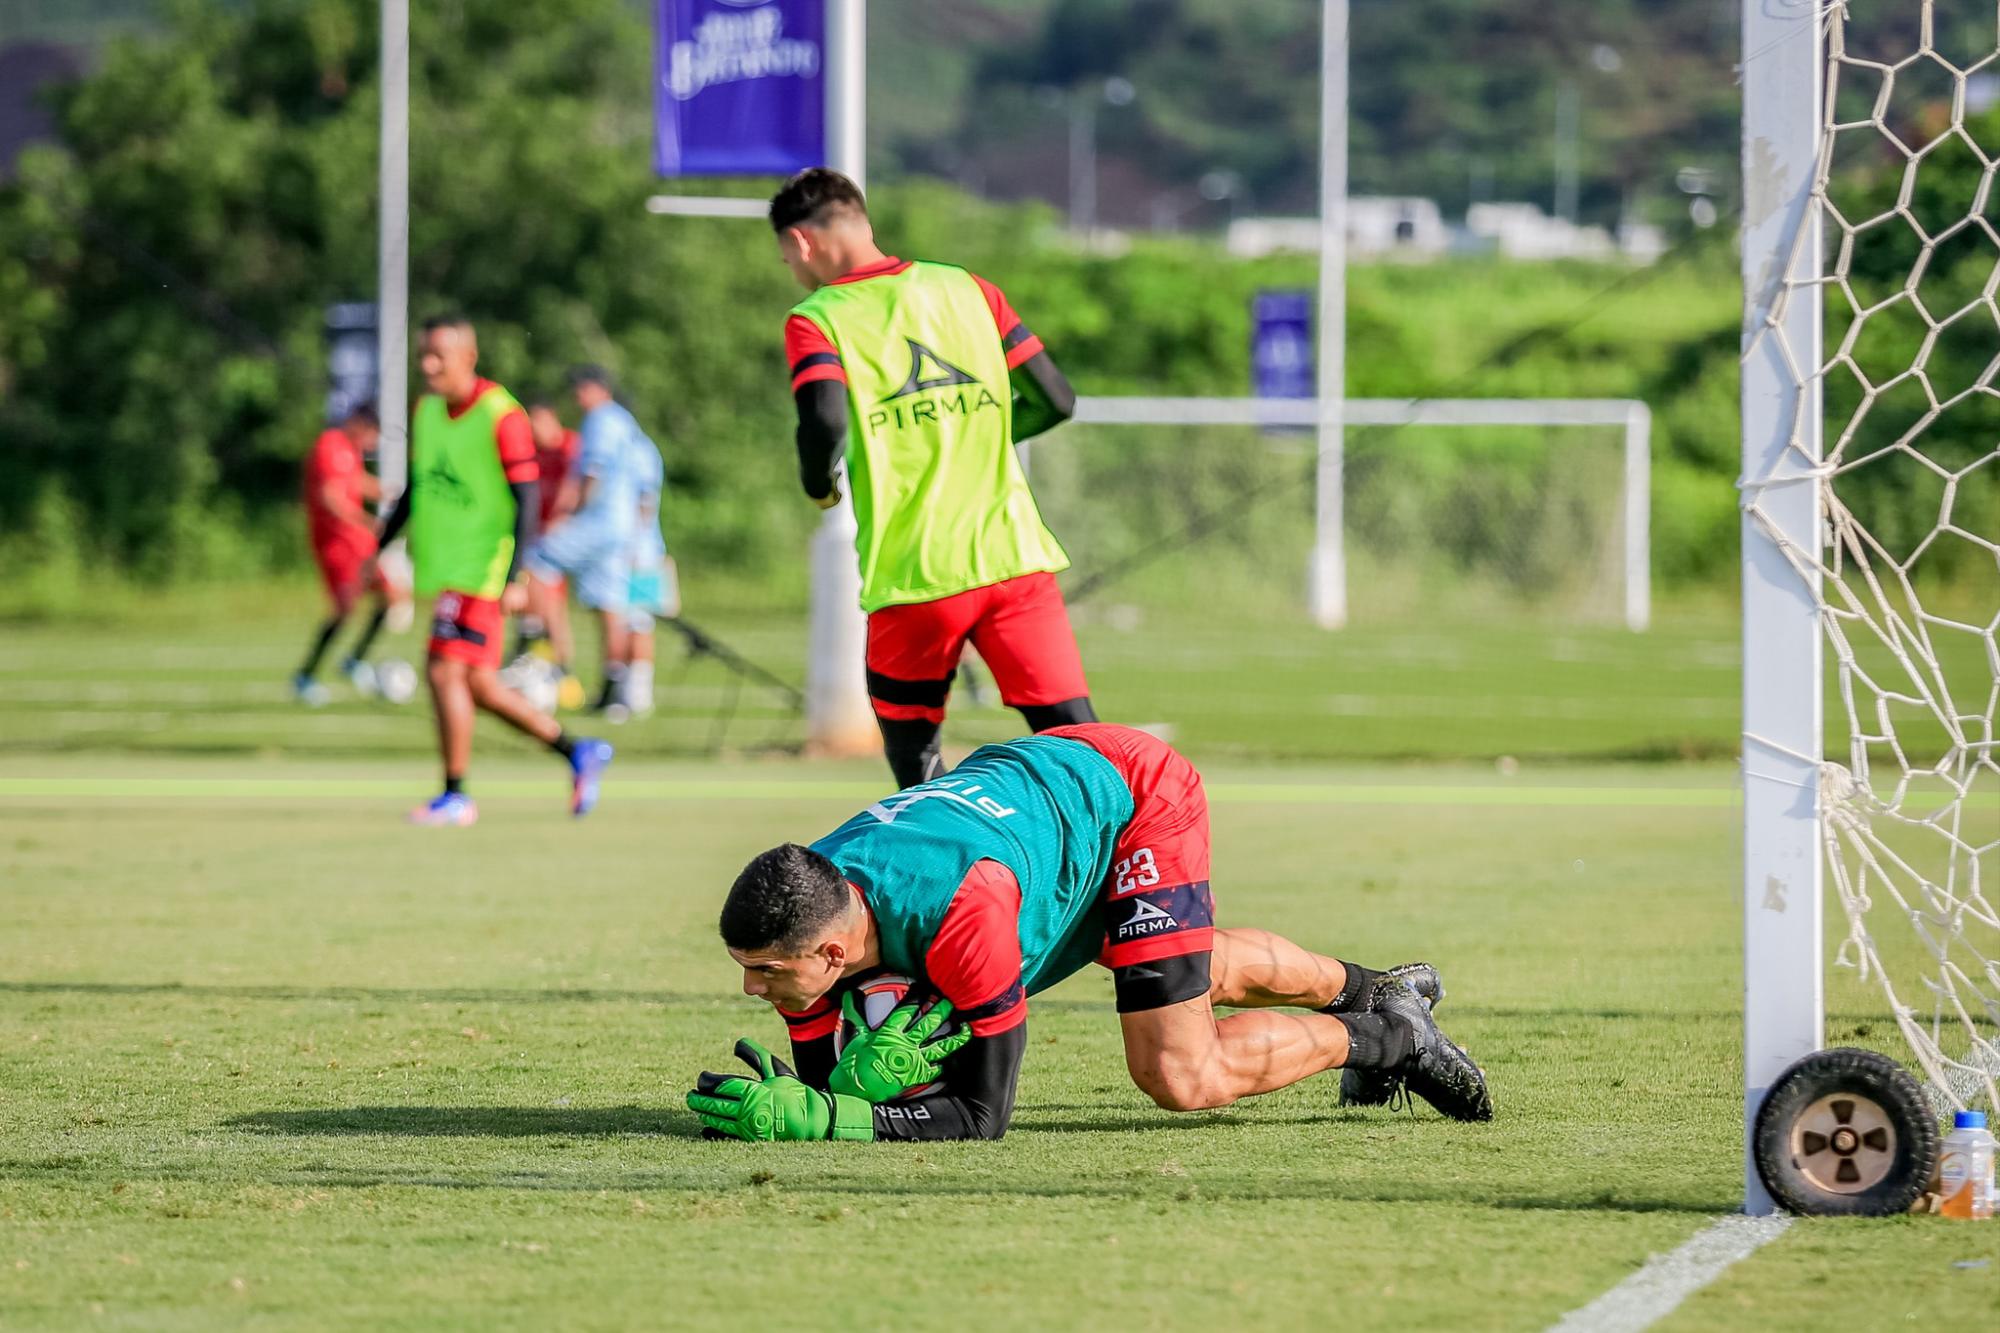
(739, 87)
(1281, 345)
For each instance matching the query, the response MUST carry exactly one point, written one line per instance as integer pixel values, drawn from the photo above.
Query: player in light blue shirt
(592, 547)
(655, 587)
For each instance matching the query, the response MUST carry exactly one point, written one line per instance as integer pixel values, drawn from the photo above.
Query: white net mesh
(1909, 471)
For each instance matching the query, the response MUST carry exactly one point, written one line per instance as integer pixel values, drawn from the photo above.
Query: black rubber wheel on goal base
(1846, 1133)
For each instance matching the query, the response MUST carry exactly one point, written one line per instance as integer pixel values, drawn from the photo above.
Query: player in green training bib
(470, 508)
(924, 379)
(1024, 865)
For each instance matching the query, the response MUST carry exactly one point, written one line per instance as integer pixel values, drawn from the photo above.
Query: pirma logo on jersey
(952, 392)
(1146, 919)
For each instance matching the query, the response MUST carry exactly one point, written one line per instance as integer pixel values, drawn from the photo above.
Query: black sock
(563, 744)
(368, 633)
(454, 786)
(320, 645)
(1376, 1041)
(1359, 984)
(912, 749)
(1068, 713)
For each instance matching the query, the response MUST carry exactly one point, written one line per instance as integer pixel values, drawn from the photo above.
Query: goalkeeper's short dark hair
(784, 899)
(813, 197)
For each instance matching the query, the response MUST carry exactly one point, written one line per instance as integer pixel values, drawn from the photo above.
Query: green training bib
(461, 512)
(939, 496)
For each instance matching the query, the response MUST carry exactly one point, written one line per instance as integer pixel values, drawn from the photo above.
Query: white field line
(1658, 1288)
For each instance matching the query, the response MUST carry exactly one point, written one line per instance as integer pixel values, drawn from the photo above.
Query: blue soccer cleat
(587, 761)
(452, 809)
(308, 691)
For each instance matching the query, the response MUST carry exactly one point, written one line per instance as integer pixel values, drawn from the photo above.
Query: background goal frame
(1629, 415)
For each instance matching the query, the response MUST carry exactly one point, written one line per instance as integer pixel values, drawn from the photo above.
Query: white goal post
(1871, 539)
(1783, 997)
(1630, 416)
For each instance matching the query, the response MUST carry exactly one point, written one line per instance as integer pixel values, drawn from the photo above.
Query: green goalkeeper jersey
(940, 500)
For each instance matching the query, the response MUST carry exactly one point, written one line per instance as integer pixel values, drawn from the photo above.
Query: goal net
(1892, 272)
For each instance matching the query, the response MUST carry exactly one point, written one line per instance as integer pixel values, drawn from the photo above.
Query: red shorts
(1018, 625)
(1160, 904)
(340, 569)
(465, 628)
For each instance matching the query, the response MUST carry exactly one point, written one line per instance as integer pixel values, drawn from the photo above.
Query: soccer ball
(396, 680)
(535, 680)
(877, 997)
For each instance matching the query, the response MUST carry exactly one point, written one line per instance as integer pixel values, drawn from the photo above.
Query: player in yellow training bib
(925, 379)
(470, 509)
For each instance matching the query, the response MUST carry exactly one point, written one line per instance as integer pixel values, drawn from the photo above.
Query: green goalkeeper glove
(775, 1105)
(883, 1064)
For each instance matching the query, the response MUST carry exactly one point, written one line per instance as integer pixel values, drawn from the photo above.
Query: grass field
(209, 675)
(271, 1059)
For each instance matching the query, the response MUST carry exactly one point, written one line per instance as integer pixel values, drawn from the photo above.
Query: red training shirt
(555, 465)
(335, 459)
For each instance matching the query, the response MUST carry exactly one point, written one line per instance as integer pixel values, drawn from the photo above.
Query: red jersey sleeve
(819, 1019)
(975, 958)
(810, 354)
(515, 439)
(1019, 342)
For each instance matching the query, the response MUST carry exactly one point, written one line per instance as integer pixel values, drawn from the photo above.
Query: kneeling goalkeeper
(1025, 864)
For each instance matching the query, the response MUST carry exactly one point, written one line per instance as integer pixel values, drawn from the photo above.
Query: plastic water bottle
(1965, 1167)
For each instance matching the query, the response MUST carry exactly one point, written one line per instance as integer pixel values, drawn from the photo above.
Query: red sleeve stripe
(812, 1027)
(1004, 1003)
(820, 1019)
(1199, 940)
(1009, 1009)
(992, 1025)
(817, 366)
(1022, 346)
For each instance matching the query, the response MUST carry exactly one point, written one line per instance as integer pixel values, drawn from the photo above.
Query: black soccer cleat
(1419, 977)
(1437, 1071)
(1374, 1087)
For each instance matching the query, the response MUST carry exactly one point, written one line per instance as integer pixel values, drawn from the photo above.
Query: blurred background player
(591, 545)
(926, 379)
(542, 636)
(338, 490)
(654, 589)
(471, 508)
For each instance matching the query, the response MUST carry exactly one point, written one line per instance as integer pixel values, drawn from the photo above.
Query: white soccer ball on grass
(396, 680)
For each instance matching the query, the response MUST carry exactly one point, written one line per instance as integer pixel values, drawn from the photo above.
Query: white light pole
(1565, 153)
(838, 718)
(1783, 1000)
(1328, 575)
(392, 262)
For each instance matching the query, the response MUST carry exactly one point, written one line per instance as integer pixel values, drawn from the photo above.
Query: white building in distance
(1414, 229)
